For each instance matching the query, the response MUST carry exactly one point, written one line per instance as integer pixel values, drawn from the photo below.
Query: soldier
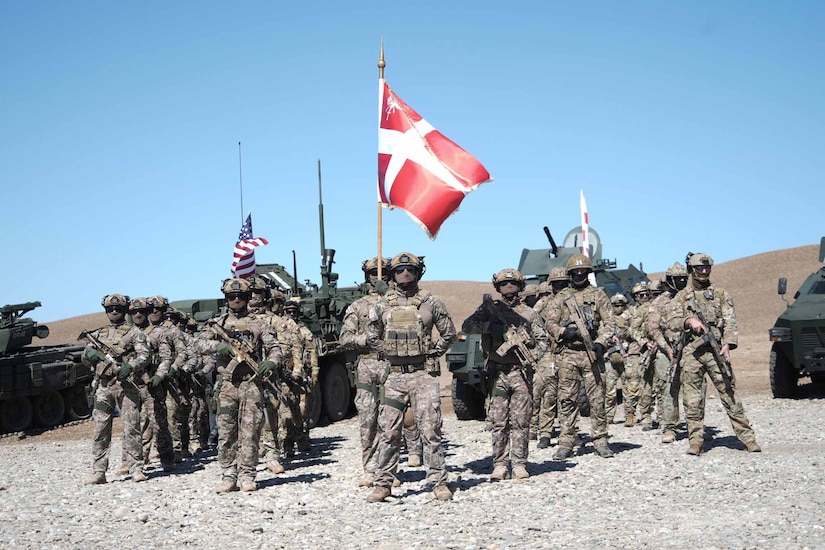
(647, 366)
(239, 412)
(370, 367)
(572, 356)
(546, 377)
(152, 390)
(614, 366)
(309, 370)
(515, 341)
(116, 387)
(199, 370)
(704, 313)
(399, 328)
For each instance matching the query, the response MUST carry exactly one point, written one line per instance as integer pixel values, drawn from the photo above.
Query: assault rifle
(109, 355)
(578, 319)
(516, 338)
(674, 370)
(709, 338)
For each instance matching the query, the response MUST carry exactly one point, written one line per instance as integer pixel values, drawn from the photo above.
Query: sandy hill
(751, 281)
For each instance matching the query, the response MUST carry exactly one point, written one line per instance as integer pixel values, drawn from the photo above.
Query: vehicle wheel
(335, 391)
(784, 377)
(16, 414)
(584, 402)
(314, 407)
(468, 403)
(77, 403)
(49, 409)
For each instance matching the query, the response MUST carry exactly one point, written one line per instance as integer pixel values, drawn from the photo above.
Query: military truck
(798, 335)
(39, 385)
(465, 359)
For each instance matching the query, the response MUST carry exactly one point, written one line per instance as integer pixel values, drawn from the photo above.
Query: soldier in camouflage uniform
(614, 366)
(702, 298)
(310, 370)
(199, 369)
(240, 400)
(152, 391)
(399, 329)
(370, 368)
(647, 363)
(546, 376)
(505, 325)
(116, 388)
(572, 358)
(626, 329)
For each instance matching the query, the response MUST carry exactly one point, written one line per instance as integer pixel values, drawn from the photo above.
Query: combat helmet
(579, 262)
(558, 274)
(696, 260)
(407, 259)
(116, 300)
(676, 276)
(372, 264)
(158, 302)
(655, 287)
(618, 299)
(236, 285)
(139, 303)
(509, 275)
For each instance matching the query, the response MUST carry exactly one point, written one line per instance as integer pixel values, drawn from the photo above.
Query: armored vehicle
(465, 358)
(798, 335)
(40, 385)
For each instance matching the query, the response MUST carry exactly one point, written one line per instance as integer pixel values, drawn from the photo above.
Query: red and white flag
(585, 232)
(419, 169)
(243, 264)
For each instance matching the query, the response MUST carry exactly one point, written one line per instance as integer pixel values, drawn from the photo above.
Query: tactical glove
(93, 355)
(125, 370)
(265, 368)
(224, 351)
(155, 381)
(571, 334)
(598, 349)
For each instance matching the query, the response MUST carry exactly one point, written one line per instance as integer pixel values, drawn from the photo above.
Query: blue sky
(689, 126)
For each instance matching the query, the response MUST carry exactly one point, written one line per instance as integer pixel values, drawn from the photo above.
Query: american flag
(243, 264)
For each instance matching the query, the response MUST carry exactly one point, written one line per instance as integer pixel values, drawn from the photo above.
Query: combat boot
(442, 492)
(186, 453)
(304, 445)
(97, 478)
(603, 448)
(563, 453)
(227, 486)
(248, 486)
(378, 494)
(367, 480)
(543, 443)
(195, 448)
(520, 472)
(275, 466)
(668, 437)
(178, 457)
(629, 420)
(123, 470)
(395, 482)
(753, 447)
(499, 473)
(138, 476)
(414, 461)
(695, 448)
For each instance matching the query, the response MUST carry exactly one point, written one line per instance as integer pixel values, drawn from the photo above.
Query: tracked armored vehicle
(798, 335)
(465, 358)
(40, 386)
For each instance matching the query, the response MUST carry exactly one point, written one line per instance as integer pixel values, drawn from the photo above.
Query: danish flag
(420, 170)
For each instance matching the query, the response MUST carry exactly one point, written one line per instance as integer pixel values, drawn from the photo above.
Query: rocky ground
(650, 495)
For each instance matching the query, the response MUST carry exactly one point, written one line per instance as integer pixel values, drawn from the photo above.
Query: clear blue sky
(689, 126)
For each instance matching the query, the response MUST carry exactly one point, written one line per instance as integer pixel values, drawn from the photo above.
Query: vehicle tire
(583, 402)
(49, 409)
(15, 414)
(314, 407)
(784, 377)
(468, 403)
(335, 391)
(77, 404)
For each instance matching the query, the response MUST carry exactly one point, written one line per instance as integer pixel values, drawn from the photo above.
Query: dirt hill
(751, 282)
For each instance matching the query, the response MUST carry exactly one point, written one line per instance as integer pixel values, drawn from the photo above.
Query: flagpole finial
(381, 62)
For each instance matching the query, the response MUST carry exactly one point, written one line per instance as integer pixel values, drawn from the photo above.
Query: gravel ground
(650, 495)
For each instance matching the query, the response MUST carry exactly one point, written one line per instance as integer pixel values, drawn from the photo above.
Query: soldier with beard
(546, 376)
(573, 356)
(516, 341)
(399, 329)
(116, 388)
(705, 315)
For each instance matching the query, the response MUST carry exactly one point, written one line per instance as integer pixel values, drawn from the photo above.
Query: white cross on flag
(243, 264)
(419, 169)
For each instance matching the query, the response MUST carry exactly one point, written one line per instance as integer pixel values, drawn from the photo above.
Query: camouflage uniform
(647, 362)
(370, 371)
(511, 401)
(199, 370)
(697, 357)
(631, 379)
(130, 344)
(615, 364)
(412, 379)
(240, 399)
(310, 370)
(177, 391)
(573, 362)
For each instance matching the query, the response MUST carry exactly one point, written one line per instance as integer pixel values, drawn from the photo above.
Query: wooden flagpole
(381, 65)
